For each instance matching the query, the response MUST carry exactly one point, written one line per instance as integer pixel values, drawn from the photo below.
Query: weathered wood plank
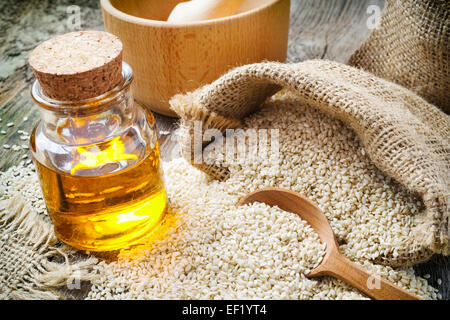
(328, 29)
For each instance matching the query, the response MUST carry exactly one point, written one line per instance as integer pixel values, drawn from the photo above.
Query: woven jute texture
(406, 137)
(411, 47)
(32, 262)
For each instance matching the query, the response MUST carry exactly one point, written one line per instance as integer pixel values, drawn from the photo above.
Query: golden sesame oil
(104, 195)
(107, 195)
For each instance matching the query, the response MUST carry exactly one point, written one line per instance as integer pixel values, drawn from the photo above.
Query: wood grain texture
(328, 29)
(318, 29)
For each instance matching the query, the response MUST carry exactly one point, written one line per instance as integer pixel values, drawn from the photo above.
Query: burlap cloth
(32, 261)
(411, 47)
(404, 135)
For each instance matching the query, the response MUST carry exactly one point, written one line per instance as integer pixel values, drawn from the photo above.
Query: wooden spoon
(334, 263)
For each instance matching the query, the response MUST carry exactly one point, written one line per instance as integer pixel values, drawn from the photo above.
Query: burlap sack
(411, 47)
(32, 264)
(406, 137)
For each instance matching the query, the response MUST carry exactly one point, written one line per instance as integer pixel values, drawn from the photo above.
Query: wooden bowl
(176, 58)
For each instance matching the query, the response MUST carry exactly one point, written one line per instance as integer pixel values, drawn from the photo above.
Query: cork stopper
(78, 65)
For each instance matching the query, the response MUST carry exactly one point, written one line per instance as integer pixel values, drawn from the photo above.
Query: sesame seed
(214, 250)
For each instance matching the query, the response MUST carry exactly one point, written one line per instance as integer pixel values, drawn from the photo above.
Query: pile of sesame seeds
(23, 179)
(221, 251)
(21, 146)
(213, 250)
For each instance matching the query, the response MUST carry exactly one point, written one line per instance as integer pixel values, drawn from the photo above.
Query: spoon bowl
(333, 263)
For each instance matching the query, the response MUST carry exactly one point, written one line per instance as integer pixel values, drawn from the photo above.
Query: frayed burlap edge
(32, 266)
(191, 111)
(317, 83)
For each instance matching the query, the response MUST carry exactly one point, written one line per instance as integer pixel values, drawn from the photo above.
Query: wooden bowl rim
(107, 6)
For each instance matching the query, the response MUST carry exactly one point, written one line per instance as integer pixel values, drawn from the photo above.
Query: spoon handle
(369, 283)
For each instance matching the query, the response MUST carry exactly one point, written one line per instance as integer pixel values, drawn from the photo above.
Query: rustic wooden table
(319, 29)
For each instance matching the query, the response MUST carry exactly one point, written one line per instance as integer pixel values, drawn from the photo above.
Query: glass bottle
(99, 167)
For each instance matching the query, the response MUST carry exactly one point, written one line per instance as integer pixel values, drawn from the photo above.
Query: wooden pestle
(198, 10)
